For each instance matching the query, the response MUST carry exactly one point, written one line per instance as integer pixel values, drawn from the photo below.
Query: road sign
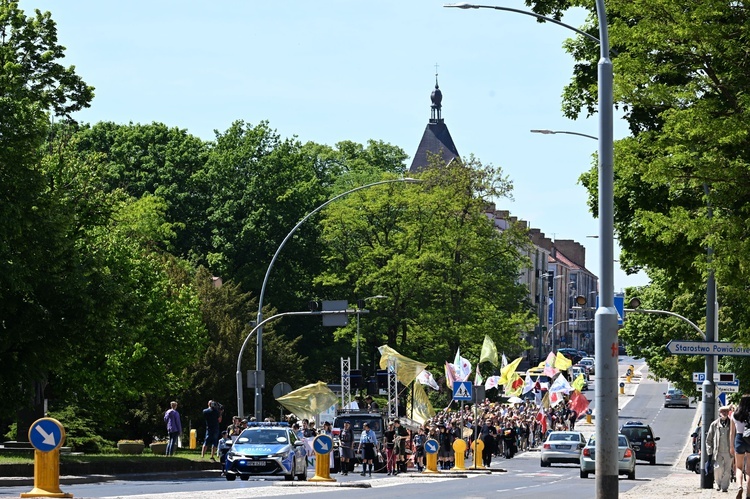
(679, 347)
(699, 377)
(723, 386)
(46, 434)
(619, 306)
(721, 399)
(431, 446)
(322, 444)
(462, 390)
(335, 320)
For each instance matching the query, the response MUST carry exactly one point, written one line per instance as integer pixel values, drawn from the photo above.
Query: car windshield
(269, 436)
(674, 392)
(637, 433)
(621, 441)
(566, 437)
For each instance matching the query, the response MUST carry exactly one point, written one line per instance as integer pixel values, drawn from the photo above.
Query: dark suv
(642, 439)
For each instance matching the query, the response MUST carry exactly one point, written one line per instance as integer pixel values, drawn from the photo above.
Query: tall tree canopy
(681, 74)
(448, 275)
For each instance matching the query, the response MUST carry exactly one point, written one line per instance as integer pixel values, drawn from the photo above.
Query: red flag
(579, 403)
(542, 418)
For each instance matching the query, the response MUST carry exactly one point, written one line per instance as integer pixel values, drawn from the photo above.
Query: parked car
(674, 397)
(625, 458)
(588, 362)
(642, 439)
(267, 449)
(562, 447)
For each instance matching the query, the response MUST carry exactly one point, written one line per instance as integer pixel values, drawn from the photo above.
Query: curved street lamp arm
(291, 232)
(555, 132)
(524, 12)
(666, 312)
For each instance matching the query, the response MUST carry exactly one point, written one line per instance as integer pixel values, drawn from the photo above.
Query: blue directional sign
(679, 347)
(462, 390)
(619, 302)
(431, 446)
(322, 444)
(46, 434)
(721, 399)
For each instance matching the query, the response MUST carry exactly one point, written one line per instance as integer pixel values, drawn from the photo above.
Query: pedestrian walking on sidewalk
(741, 420)
(720, 449)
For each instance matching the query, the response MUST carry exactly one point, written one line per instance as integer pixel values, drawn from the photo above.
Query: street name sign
(679, 347)
(723, 386)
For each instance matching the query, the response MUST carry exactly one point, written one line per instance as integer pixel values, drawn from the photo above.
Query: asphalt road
(524, 477)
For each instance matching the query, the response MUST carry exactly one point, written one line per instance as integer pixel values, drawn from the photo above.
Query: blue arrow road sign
(721, 399)
(679, 347)
(619, 302)
(46, 434)
(431, 446)
(462, 390)
(322, 444)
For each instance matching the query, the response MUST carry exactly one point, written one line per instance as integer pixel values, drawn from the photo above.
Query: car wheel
(631, 475)
(231, 478)
(302, 476)
(652, 461)
(244, 477)
(544, 464)
(584, 474)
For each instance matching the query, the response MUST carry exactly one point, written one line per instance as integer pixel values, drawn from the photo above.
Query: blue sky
(333, 70)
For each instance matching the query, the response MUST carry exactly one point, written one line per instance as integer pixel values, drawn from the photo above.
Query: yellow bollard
(622, 388)
(46, 436)
(478, 446)
(322, 445)
(459, 449)
(193, 439)
(588, 418)
(431, 449)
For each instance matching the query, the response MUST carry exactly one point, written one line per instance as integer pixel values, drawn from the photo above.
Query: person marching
(346, 447)
(400, 441)
(367, 442)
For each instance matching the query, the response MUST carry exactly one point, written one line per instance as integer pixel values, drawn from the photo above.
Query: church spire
(437, 98)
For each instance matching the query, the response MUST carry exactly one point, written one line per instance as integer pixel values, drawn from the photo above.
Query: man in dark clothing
(400, 440)
(488, 435)
(213, 417)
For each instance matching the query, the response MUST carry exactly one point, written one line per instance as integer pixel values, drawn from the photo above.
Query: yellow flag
(514, 386)
(562, 362)
(310, 400)
(406, 369)
(578, 383)
(421, 408)
(506, 373)
(489, 351)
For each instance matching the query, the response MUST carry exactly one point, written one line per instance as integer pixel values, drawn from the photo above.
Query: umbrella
(515, 400)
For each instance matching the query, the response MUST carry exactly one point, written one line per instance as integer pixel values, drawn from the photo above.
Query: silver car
(562, 447)
(674, 397)
(625, 455)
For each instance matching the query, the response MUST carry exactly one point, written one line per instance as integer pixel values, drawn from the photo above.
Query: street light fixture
(605, 326)
(360, 306)
(554, 132)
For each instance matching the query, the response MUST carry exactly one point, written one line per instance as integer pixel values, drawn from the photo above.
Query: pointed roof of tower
(436, 138)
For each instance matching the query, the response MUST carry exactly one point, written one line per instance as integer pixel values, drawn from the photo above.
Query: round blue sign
(46, 434)
(431, 446)
(322, 444)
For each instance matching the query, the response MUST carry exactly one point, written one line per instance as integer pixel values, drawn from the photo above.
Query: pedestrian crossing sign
(462, 390)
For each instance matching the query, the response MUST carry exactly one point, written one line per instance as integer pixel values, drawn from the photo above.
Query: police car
(267, 449)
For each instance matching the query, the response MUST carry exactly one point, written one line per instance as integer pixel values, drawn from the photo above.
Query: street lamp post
(554, 132)
(605, 325)
(360, 306)
(259, 338)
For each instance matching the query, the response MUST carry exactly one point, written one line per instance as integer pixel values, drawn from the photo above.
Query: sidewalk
(680, 482)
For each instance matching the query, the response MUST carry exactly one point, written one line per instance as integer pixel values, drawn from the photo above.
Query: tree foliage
(449, 277)
(681, 73)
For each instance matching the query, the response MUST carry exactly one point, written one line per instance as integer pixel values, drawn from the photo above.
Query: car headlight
(282, 455)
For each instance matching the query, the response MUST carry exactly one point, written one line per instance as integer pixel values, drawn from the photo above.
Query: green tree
(449, 276)
(680, 79)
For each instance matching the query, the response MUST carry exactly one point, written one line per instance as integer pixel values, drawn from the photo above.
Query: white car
(625, 458)
(562, 447)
